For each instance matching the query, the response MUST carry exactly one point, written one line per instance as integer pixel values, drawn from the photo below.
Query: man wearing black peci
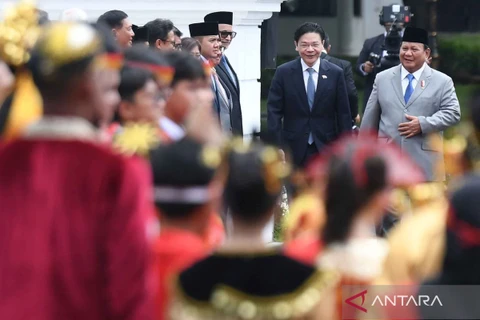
(224, 69)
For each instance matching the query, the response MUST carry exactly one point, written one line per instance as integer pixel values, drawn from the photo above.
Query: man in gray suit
(410, 102)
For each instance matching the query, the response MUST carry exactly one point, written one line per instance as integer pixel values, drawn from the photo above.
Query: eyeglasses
(225, 34)
(178, 46)
(172, 42)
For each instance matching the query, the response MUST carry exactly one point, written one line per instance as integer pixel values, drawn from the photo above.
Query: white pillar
(345, 23)
(244, 53)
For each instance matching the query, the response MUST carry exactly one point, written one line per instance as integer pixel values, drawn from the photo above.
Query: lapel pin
(324, 76)
(422, 84)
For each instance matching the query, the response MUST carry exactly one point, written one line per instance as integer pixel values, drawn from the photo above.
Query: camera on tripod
(397, 16)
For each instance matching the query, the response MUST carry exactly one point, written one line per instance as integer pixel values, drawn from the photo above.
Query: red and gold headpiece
(162, 73)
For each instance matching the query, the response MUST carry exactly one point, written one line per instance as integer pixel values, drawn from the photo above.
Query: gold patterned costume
(417, 243)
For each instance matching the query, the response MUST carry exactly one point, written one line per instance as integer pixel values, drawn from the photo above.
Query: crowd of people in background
(128, 192)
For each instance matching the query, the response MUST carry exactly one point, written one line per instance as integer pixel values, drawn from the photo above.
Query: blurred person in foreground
(462, 254)
(75, 241)
(185, 194)
(189, 88)
(359, 175)
(244, 271)
(426, 226)
(144, 89)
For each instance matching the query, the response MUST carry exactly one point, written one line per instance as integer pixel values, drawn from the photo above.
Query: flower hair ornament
(136, 139)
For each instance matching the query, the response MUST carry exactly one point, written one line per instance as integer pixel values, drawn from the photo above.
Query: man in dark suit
(364, 67)
(225, 70)
(310, 96)
(347, 71)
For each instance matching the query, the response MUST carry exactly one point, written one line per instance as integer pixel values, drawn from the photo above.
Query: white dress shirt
(173, 130)
(416, 78)
(316, 68)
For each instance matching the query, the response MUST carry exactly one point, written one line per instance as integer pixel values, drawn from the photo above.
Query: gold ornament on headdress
(67, 42)
(18, 32)
(136, 139)
(275, 170)
(211, 156)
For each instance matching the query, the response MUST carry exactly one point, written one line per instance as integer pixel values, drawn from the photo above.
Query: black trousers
(309, 154)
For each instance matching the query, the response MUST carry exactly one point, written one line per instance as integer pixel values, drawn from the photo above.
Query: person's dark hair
(186, 67)
(158, 29)
(179, 165)
(344, 197)
(111, 46)
(309, 27)
(188, 44)
(246, 192)
(462, 259)
(57, 85)
(113, 18)
(326, 40)
(143, 54)
(43, 17)
(133, 79)
(177, 32)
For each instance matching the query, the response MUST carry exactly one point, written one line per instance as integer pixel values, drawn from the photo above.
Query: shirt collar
(315, 67)
(173, 130)
(417, 74)
(65, 128)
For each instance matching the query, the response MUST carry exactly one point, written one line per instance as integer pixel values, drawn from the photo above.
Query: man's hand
(357, 119)
(368, 67)
(411, 128)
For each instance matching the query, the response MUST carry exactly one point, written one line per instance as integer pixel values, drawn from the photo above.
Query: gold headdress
(18, 32)
(274, 168)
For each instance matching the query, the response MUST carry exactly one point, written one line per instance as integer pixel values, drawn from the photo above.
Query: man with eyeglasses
(177, 35)
(161, 34)
(308, 104)
(224, 69)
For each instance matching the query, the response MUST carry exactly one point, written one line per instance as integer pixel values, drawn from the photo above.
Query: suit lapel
(299, 83)
(221, 66)
(397, 84)
(234, 73)
(425, 76)
(323, 73)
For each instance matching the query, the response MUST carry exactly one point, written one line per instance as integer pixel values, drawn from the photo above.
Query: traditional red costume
(73, 237)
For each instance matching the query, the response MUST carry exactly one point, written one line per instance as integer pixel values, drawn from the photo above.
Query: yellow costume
(417, 244)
